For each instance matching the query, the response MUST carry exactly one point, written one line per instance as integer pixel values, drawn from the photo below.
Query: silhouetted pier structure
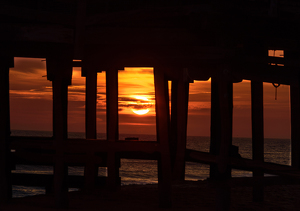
(183, 41)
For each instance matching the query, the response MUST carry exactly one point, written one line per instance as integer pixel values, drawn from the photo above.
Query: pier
(183, 41)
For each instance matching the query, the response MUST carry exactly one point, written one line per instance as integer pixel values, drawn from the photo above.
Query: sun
(141, 98)
(145, 102)
(140, 111)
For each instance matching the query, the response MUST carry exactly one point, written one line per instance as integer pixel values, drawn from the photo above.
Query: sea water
(134, 171)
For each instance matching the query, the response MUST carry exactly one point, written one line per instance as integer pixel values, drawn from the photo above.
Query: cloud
(200, 97)
(29, 65)
(133, 103)
(135, 70)
(132, 99)
(130, 85)
(136, 106)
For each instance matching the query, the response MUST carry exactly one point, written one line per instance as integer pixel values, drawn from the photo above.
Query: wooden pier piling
(179, 116)
(5, 167)
(257, 137)
(221, 136)
(55, 65)
(112, 116)
(90, 169)
(163, 128)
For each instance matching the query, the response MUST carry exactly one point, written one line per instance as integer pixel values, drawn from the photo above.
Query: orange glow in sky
(31, 103)
(144, 103)
(136, 101)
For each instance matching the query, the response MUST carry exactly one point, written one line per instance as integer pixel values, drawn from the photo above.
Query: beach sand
(185, 196)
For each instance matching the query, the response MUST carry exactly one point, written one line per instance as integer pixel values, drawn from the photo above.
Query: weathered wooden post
(162, 130)
(257, 107)
(179, 116)
(59, 71)
(5, 171)
(91, 170)
(295, 110)
(112, 119)
(221, 135)
(295, 124)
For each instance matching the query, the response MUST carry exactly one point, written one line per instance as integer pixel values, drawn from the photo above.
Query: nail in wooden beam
(162, 125)
(112, 126)
(91, 170)
(60, 69)
(257, 137)
(5, 171)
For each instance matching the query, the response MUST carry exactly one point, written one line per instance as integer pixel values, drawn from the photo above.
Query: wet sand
(186, 196)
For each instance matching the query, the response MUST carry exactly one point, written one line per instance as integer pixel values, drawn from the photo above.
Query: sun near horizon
(143, 105)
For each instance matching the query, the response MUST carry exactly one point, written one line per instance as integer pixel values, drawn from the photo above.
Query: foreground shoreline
(188, 195)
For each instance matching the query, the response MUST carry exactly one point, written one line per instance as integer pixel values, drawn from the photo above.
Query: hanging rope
(276, 85)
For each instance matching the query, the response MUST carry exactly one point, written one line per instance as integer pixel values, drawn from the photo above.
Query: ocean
(141, 172)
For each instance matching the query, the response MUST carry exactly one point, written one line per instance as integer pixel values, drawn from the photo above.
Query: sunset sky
(31, 103)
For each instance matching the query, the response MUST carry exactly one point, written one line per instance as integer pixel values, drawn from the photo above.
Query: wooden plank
(27, 157)
(112, 125)
(76, 159)
(162, 132)
(267, 181)
(267, 73)
(257, 107)
(85, 145)
(244, 164)
(41, 143)
(46, 180)
(5, 182)
(201, 157)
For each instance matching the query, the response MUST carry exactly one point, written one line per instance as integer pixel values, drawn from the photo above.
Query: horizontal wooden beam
(46, 180)
(267, 73)
(244, 164)
(85, 145)
(266, 181)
